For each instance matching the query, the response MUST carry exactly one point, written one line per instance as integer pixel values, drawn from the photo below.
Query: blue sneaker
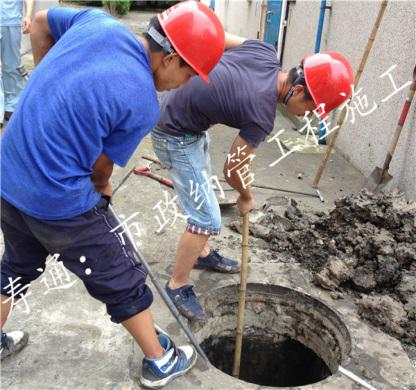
(215, 262)
(186, 302)
(176, 361)
(12, 342)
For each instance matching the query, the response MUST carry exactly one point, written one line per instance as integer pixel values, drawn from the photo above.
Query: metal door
(271, 31)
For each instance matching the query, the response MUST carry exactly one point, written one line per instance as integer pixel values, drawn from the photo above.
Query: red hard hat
(329, 77)
(196, 33)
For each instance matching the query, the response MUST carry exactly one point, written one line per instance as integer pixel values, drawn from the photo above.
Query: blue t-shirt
(242, 94)
(92, 93)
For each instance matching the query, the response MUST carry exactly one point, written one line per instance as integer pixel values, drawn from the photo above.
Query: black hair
(153, 45)
(296, 76)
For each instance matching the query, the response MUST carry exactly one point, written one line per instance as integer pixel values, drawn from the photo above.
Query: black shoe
(215, 262)
(7, 115)
(186, 302)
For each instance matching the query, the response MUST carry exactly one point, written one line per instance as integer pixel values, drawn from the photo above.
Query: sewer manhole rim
(271, 294)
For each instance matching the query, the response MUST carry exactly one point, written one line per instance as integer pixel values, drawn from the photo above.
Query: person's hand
(105, 190)
(245, 204)
(26, 22)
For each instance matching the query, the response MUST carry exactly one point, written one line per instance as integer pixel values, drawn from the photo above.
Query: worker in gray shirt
(244, 90)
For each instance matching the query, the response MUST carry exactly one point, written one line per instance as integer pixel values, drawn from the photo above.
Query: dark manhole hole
(290, 338)
(268, 363)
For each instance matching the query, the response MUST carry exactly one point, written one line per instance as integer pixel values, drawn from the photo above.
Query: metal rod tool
(139, 256)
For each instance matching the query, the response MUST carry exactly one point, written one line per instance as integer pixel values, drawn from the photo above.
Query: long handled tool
(343, 114)
(139, 256)
(145, 171)
(242, 298)
(380, 176)
(355, 378)
(315, 194)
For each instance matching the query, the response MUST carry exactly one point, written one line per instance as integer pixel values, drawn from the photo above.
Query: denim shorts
(187, 159)
(116, 278)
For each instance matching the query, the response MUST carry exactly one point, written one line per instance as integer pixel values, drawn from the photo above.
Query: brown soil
(365, 247)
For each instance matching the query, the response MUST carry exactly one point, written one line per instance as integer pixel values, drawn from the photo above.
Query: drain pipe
(320, 26)
(322, 131)
(355, 378)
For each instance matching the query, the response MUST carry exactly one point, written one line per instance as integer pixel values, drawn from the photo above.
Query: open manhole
(290, 339)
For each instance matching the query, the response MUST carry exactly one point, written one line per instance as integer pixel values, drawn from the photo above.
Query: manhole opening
(290, 338)
(267, 362)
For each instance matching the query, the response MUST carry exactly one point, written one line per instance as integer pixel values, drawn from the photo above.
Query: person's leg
(12, 81)
(118, 280)
(141, 327)
(189, 248)
(22, 258)
(6, 305)
(195, 186)
(186, 159)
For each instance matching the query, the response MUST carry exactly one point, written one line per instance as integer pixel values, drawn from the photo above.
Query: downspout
(285, 30)
(320, 26)
(281, 28)
(322, 132)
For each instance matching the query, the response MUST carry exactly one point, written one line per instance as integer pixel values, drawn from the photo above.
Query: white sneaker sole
(170, 378)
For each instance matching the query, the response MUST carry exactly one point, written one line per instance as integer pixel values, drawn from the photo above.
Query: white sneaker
(12, 342)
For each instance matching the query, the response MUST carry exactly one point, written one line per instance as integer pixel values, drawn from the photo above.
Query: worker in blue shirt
(88, 104)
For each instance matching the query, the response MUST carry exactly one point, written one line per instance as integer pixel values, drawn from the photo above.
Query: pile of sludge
(366, 245)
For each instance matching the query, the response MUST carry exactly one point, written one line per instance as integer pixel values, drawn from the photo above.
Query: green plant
(119, 7)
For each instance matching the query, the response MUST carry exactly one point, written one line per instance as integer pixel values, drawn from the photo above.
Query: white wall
(240, 17)
(347, 28)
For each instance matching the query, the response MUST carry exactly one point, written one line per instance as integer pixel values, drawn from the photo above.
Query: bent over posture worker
(88, 104)
(245, 88)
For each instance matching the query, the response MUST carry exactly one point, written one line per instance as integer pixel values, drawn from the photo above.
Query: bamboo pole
(242, 298)
(343, 114)
(262, 19)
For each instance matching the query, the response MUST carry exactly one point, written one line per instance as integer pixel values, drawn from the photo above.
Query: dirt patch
(365, 247)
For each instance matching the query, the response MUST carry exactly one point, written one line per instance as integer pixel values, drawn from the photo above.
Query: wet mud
(364, 249)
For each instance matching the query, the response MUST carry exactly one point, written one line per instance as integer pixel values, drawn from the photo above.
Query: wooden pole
(343, 114)
(262, 19)
(242, 298)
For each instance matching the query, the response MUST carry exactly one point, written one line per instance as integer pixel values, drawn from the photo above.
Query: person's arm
(27, 19)
(50, 25)
(232, 41)
(40, 36)
(240, 150)
(101, 173)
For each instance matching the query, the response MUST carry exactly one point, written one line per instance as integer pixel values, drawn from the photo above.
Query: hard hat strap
(299, 79)
(162, 41)
(289, 95)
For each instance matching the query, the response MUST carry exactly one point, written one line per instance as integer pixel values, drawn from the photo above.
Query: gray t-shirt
(242, 93)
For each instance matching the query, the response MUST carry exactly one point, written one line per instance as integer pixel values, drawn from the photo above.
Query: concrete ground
(74, 345)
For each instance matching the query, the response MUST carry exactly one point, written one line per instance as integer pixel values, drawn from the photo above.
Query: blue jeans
(187, 159)
(10, 81)
(116, 278)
